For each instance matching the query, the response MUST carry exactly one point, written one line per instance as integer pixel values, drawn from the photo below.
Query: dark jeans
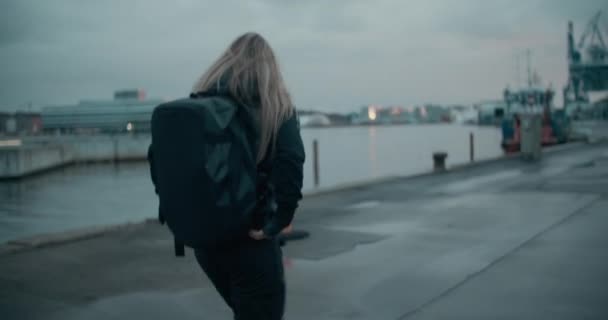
(249, 277)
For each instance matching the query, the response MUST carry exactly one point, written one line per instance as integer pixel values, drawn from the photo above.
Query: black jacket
(281, 176)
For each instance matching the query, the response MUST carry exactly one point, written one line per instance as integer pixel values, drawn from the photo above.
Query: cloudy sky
(336, 55)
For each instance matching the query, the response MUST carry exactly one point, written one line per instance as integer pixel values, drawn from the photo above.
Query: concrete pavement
(502, 240)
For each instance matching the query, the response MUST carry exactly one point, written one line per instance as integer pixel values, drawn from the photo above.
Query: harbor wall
(109, 148)
(38, 154)
(17, 162)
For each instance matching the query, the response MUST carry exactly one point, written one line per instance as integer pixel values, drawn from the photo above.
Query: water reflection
(373, 155)
(74, 197)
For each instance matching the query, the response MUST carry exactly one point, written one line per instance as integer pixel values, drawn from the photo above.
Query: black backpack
(204, 169)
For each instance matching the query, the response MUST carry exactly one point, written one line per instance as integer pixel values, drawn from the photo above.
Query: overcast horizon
(336, 56)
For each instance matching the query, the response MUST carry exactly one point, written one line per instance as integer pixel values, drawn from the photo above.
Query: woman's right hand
(257, 234)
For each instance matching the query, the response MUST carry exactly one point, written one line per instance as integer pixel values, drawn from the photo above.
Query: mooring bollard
(115, 157)
(472, 146)
(315, 165)
(439, 161)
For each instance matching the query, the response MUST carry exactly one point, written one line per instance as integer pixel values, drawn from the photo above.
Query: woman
(249, 275)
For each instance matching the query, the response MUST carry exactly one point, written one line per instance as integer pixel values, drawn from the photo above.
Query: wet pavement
(502, 240)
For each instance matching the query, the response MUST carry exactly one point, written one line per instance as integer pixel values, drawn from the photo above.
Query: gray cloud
(506, 19)
(335, 54)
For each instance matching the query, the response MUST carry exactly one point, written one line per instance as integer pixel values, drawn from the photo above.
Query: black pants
(250, 278)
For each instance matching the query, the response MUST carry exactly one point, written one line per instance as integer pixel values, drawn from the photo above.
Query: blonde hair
(250, 72)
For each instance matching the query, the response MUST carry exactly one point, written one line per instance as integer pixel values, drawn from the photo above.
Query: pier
(495, 239)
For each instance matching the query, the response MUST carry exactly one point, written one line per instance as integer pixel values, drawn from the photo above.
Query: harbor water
(105, 194)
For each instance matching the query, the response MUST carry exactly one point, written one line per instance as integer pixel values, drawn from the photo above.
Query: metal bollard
(472, 147)
(439, 161)
(115, 157)
(315, 165)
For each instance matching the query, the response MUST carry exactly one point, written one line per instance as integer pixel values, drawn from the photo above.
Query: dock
(502, 239)
(36, 154)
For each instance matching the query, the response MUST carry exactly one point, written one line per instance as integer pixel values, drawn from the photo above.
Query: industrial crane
(590, 72)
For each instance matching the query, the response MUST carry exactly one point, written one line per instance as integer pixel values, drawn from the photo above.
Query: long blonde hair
(250, 72)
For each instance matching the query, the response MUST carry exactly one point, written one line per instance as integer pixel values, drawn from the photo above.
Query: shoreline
(84, 233)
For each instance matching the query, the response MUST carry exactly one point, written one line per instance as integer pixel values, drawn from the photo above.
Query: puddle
(363, 205)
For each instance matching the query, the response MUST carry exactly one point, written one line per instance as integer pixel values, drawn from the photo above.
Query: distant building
(464, 114)
(20, 123)
(490, 112)
(337, 119)
(130, 94)
(3, 122)
(374, 114)
(314, 120)
(436, 114)
(28, 122)
(130, 111)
